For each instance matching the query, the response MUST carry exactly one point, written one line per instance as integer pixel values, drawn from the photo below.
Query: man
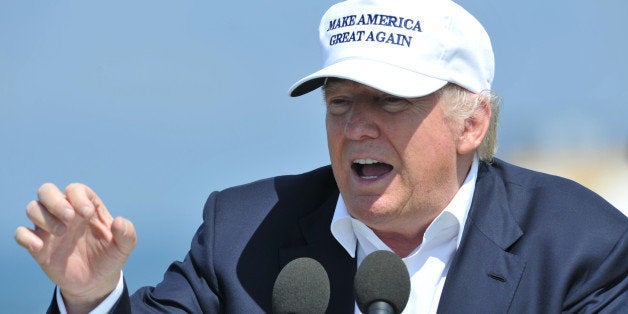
(411, 131)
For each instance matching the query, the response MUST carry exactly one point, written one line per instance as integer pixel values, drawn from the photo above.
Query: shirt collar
(342, 227)
(346, 228)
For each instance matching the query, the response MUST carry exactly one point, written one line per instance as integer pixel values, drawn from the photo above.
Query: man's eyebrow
(331, 84)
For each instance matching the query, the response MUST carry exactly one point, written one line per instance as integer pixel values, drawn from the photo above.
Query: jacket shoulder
(556, 209)
(546, 188)
(302, 191)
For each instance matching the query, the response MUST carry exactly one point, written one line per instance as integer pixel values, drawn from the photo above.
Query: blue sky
(157, 103)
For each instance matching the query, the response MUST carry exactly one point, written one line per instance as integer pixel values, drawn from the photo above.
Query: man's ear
(475, 127)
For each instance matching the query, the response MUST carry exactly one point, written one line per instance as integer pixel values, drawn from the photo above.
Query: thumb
(124, 235)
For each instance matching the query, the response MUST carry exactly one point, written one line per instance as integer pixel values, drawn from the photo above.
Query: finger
(43, 219)
(27, 239)
(86, 202)
(90, 207)
(55, 202)
(124, 234)
(101, 209)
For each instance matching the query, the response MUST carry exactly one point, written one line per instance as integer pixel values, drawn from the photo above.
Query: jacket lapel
(484, 276)
(323, 247)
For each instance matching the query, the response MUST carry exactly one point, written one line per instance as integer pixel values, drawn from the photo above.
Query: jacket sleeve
(189, 286)
(605, 288)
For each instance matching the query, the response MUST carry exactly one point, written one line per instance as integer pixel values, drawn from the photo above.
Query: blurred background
(157, 103)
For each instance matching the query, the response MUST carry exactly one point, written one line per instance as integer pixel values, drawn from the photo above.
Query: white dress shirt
(429, 263)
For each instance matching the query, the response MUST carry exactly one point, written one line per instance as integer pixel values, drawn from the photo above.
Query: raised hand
(77, 243)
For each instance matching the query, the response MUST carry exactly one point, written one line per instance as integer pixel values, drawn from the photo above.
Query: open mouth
(370, 168)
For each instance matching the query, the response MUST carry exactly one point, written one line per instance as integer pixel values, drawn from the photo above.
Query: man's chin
(370, 212)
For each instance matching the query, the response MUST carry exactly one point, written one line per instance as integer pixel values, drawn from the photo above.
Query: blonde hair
(464, 104)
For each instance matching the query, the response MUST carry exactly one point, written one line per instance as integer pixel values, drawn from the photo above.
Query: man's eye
(338, 106)
(394, 104)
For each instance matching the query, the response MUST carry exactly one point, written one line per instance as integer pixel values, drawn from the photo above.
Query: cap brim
(381, 76)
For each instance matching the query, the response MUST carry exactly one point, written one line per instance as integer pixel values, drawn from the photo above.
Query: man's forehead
(335, 84)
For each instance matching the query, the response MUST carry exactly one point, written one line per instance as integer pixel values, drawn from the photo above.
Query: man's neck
(400, 244)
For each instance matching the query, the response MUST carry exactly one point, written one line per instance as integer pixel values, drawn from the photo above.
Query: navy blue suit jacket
(533, 243)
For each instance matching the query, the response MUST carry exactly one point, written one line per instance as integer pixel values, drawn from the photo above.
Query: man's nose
(361, 123)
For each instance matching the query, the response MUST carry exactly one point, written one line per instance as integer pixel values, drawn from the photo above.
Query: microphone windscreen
(382, 276)
(302, 286)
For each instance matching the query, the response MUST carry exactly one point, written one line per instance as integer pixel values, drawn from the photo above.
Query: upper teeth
(367, 161)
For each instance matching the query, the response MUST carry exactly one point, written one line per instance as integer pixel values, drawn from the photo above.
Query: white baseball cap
(407, 48)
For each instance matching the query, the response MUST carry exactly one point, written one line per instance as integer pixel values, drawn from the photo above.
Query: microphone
(302, 286)
(382, 284)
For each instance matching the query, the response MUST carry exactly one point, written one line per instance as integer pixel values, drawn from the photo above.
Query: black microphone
(382, 284)
(302, 286)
